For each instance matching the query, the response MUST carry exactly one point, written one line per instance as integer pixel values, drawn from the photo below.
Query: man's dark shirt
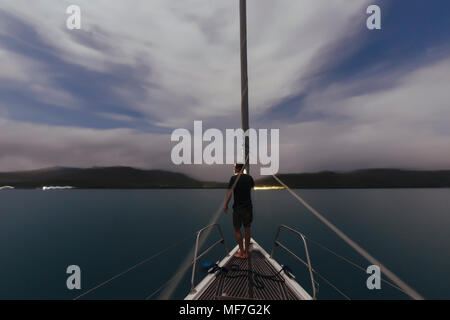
(242, 195)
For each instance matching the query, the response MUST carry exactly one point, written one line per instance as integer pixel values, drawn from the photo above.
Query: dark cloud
(94, 92)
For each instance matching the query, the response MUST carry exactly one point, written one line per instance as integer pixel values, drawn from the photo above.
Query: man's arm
(229, 193)
(227, 199)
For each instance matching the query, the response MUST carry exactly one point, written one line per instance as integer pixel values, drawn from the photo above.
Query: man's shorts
(242, 216)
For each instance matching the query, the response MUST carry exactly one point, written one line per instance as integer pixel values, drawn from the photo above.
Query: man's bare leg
(238, 234)
(247, 241)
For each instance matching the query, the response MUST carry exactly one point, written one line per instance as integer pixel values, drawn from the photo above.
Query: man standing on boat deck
(242, 207)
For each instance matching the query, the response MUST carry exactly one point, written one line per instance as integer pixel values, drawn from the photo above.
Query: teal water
(106, 231)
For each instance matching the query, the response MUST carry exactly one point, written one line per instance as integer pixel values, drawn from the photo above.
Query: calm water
(107, 231)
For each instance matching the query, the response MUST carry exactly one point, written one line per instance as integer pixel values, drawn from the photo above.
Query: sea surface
(105, 232)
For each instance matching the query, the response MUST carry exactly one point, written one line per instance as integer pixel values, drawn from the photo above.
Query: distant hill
(129, 178)
(102, 177)
(368, 178)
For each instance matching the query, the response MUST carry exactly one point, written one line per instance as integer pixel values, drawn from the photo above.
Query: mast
(244, 78)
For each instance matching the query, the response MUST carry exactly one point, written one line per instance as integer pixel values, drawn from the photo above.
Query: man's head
(238, 168)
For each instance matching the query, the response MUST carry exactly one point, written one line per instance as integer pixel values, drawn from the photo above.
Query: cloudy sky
(111, 93)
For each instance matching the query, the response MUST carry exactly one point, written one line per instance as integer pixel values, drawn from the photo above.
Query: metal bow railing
(308, 260)
(197, 257)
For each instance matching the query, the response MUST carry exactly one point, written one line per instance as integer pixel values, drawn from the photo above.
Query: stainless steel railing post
(308, 259)
(197, 256)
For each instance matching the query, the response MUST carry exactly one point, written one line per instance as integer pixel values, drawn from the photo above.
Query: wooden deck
(244, 281)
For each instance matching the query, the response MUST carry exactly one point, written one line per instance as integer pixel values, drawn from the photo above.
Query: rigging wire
(407, 289)
(321, 246)
(134, 267)
(323, 278)
(159, 289)
(331, 285)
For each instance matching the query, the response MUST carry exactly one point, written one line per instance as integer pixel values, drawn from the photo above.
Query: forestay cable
(407, 289)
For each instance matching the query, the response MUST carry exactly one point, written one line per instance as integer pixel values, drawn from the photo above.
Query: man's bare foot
(240, 255)
(245, 255)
